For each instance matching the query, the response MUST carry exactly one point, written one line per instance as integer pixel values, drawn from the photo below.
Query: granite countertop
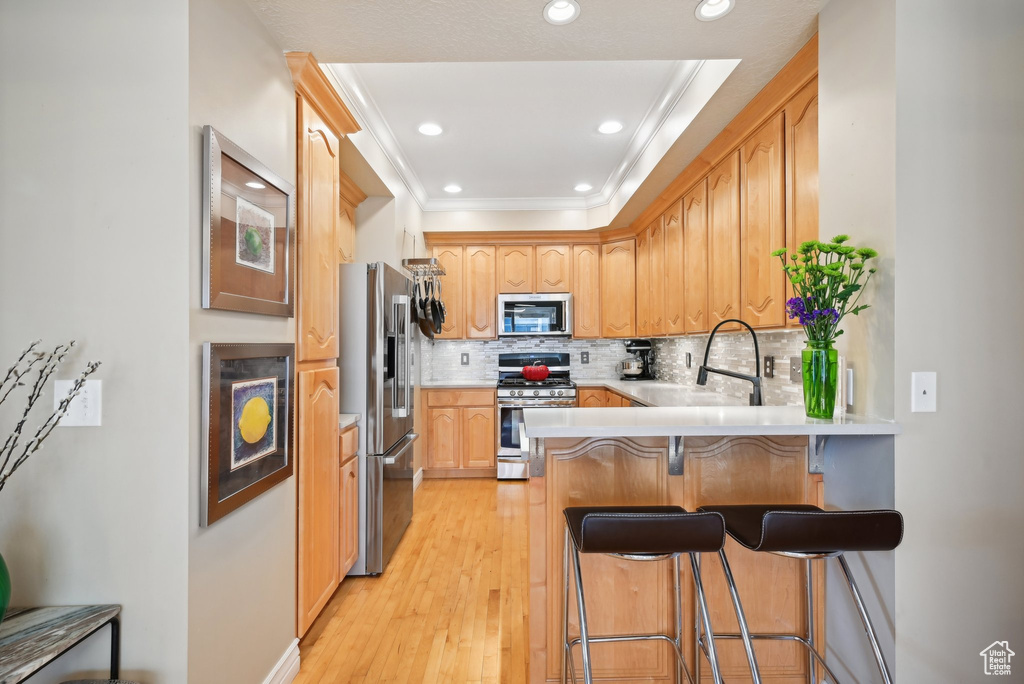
(694, 421)
(491, 383)
(346, 419)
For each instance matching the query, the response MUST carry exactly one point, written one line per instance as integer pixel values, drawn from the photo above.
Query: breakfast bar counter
(692, 456)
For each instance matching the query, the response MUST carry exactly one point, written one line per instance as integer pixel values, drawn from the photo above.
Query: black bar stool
(638, 533)
(808, 533)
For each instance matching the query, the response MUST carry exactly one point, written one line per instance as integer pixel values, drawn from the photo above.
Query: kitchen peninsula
(692, 456)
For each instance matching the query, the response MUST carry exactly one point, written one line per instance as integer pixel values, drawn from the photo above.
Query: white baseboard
(417, 479)
(287, 667)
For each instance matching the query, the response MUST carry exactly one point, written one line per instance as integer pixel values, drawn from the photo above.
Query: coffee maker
(639, 366)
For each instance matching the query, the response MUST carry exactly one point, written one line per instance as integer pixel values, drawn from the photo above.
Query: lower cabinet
(349, 517)
(597, 397)
(461, 433)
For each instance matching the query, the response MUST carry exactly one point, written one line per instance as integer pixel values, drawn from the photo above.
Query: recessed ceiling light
(709, 10)
(255, 185)
(583, 187)
(430, 129)
(609, 127)
(452, 187)
(561, 12)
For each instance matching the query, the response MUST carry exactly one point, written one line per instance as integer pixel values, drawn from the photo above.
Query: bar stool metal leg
(866, 620)
(678, 596)
(588, 676)
(741, 618)
(702, 602)
(812, 666)
(566, 654)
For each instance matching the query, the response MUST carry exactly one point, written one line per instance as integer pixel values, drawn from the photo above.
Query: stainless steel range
(516, 393)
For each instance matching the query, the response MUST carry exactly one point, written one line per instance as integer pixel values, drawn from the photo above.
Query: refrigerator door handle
(402, 323)
(410, 440)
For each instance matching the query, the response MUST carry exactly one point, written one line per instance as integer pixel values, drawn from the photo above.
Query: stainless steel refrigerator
(377, 384)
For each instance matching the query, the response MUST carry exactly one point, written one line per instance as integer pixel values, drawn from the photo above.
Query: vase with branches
(31, 373)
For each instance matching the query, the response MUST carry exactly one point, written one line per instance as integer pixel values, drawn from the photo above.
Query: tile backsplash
(734, 351)
(439, 361)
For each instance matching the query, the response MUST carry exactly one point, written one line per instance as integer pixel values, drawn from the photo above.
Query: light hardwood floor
(451, 605)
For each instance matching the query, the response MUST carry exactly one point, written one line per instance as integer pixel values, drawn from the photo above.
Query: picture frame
(248, 232)
(248, 393)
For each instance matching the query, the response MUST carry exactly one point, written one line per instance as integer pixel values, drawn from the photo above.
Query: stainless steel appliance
(534, 314)
(639, 366)
(516, 393)
(377, 383)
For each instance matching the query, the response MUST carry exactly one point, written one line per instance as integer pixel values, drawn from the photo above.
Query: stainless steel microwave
(520, 315)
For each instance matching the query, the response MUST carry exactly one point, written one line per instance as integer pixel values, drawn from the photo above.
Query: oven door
(509, 419)
(544, 314)
(513, 462)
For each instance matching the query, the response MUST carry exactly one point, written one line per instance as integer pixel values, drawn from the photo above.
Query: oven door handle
(566, 404)
(524, 442)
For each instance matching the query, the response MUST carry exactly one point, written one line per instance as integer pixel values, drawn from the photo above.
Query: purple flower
(797, 308)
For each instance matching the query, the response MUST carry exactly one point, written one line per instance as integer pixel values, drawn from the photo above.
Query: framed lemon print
(247, 421)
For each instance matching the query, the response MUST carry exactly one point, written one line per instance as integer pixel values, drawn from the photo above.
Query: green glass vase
(821, 373)
(5, 588)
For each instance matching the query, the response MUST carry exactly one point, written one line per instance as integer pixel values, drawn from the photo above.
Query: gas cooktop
(550, 381)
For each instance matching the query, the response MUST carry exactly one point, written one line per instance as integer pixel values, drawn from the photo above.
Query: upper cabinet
(351, 197)
(762, 227)
(724, 241)
(675, 268)
(656, 312)
(643, 283)
(515, 269)
(586, 290)
(695, 258)
(618, 288)
(451, 259)
(554, 266)
(480, 292)
(801, 172)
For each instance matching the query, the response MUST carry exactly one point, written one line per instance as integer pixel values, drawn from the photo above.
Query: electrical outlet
(923, 389)
(796, 369)
(689, 360)
(769, 367)
(465, 358)
(86, 409)
(584, 357)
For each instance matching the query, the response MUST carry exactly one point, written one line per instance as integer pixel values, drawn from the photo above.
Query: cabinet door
(618, 289)
(515, 269)
(724, 241)
(451, 259)
(317, 239)
(695, 258)
(762, 227)
(643, 283)
(479, 438)
(592, 398)
(675, 269)
(346, 233)
(801, 172)
(319, 493)
(657, 275)
(479, 293)
(349, 515)
(586, 290)
(554, 265)
(443, 426)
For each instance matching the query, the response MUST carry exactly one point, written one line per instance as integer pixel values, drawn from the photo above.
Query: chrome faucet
(702, 373)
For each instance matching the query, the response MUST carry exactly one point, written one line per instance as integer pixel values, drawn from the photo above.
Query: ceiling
(658, 35)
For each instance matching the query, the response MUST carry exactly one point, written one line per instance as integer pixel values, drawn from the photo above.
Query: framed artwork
(248, 230)
(247, 421)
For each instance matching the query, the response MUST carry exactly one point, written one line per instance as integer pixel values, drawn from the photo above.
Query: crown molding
(312, 84)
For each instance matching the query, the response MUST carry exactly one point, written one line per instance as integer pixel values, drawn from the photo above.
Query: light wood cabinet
(479, 440)
(656, 311)
(515, 269)
(801, 114)
(675, 280)
(762, 227)
(592, 397)
(318, 199)
(451, 259)
(724, 242)
(346, 233)
(695, 258)
(349, 513)
(479, 292)
(318, 492)
(461, 433)
(618, 288)
(586, 290)
(643, 283)
(554, 268)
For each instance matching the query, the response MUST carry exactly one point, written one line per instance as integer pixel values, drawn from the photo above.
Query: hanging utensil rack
(424, 268)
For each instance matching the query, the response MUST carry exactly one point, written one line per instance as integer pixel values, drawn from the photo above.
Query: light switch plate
(86, 410)
(923, 390)
(465, 358)
(689, 360)
(796, 369)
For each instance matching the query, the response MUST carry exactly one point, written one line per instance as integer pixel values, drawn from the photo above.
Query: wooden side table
(32, 638)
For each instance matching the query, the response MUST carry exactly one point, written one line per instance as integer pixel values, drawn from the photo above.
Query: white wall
(94, 226)
(241, 593)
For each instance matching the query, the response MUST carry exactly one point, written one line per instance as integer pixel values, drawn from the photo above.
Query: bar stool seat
(643, 530)
(810, 530)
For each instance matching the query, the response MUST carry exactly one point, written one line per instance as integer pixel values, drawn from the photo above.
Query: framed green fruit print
(247, 423)
(248, 232)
